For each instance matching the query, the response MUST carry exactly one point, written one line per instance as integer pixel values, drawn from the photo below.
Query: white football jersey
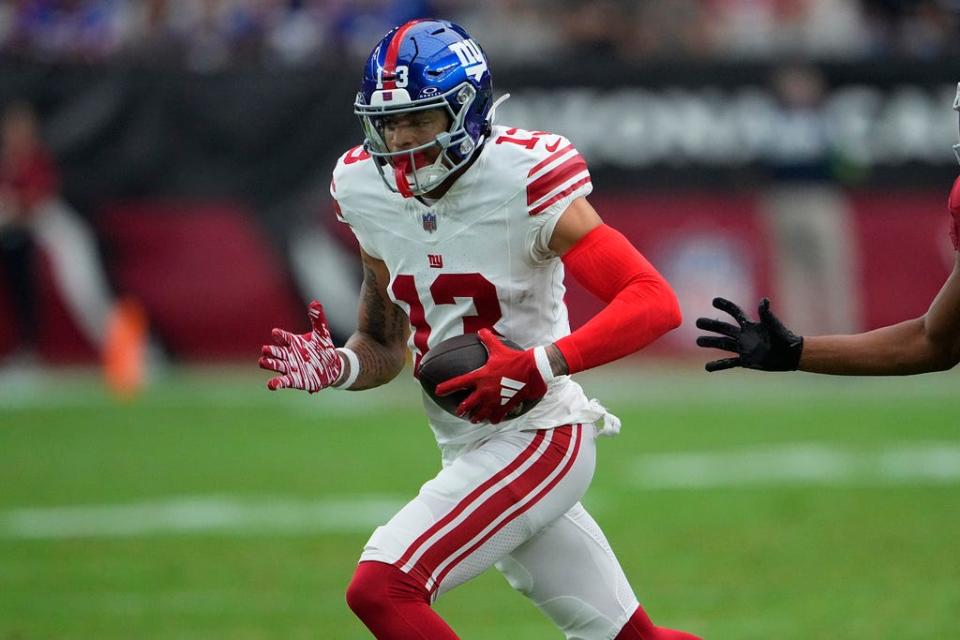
(478, 257)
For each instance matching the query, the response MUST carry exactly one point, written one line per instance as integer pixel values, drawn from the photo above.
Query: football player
(921, 345)
(469, 227)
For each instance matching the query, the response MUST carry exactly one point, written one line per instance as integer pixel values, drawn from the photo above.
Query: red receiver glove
(309, 361)
(953, 203)
(506, 370)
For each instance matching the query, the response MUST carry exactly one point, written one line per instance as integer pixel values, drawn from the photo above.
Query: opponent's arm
(920, 345)
(928, 343)
(381, 330)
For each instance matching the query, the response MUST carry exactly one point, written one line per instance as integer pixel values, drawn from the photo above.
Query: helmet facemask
(412, 175)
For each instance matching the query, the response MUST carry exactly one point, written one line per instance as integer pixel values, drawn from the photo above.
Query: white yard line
(798, 464)
(637, 382)
(801, 464)
(201, 514)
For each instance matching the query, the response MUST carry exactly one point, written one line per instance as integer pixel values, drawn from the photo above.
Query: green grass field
(742, 506)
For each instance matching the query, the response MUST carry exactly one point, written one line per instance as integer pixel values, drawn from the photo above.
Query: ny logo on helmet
(470, 57)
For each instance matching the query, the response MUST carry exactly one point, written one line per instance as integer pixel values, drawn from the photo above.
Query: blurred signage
(637, 128)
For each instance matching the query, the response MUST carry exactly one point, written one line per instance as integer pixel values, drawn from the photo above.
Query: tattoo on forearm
(376, 365)
(373, 307)
(378, 343)
(382, 320)
(399, 328)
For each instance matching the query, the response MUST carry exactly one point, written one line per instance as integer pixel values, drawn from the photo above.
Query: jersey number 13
(444, 290)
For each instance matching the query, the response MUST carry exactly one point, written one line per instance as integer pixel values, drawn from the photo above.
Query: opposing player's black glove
(766, 345)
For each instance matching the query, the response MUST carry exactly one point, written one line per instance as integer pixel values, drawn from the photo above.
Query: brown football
(456, 356)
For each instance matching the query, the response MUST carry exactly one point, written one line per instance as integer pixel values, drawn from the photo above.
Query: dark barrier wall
(264, 135)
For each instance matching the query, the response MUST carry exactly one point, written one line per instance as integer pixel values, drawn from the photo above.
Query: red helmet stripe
(393, 52)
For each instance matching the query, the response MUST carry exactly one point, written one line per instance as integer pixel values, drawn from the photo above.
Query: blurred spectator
(154, 38)
(805, 151)
(34, 216)
(510, 30)
(71, 30)
(207, 35)
(809, 221)
(663, 27)
(299, 33)
(357, 23)
(27, 175)
(917, 28)
(776, 28)
(596, 27)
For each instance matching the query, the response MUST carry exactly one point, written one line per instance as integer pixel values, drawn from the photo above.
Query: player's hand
(309, 361)
(766, 345)
(491, 398)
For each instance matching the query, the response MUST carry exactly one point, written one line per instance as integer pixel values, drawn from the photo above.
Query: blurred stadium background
(793, 148)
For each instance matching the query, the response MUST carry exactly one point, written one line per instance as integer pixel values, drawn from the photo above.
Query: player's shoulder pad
(353, 165)
(549, 165)
(352, 176)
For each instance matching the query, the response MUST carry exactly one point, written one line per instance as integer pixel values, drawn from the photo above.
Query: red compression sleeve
(641, 306)
(394, 605)
(640, 627)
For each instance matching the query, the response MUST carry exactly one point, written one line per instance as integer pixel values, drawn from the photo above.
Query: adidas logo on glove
(509, 388)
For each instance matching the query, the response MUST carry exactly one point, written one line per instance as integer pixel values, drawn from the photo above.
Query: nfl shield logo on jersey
(430, 222)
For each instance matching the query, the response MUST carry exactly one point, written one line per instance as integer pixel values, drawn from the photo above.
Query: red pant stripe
(471, 497)
(497, 503)
(569, 451)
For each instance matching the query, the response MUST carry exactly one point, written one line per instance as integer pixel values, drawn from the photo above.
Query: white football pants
(513, 501)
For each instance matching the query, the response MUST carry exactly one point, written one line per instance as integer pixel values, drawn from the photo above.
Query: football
(456, 356)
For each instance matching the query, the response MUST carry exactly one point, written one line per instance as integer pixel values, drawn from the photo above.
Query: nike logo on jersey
(552, 147)
(509, 388)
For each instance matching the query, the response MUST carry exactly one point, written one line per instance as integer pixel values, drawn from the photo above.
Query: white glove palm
(309, 362)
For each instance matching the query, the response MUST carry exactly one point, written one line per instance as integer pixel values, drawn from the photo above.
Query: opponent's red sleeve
(953, 204)
(641, 306)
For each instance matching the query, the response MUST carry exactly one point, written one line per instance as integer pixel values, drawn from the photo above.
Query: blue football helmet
(421, 65)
